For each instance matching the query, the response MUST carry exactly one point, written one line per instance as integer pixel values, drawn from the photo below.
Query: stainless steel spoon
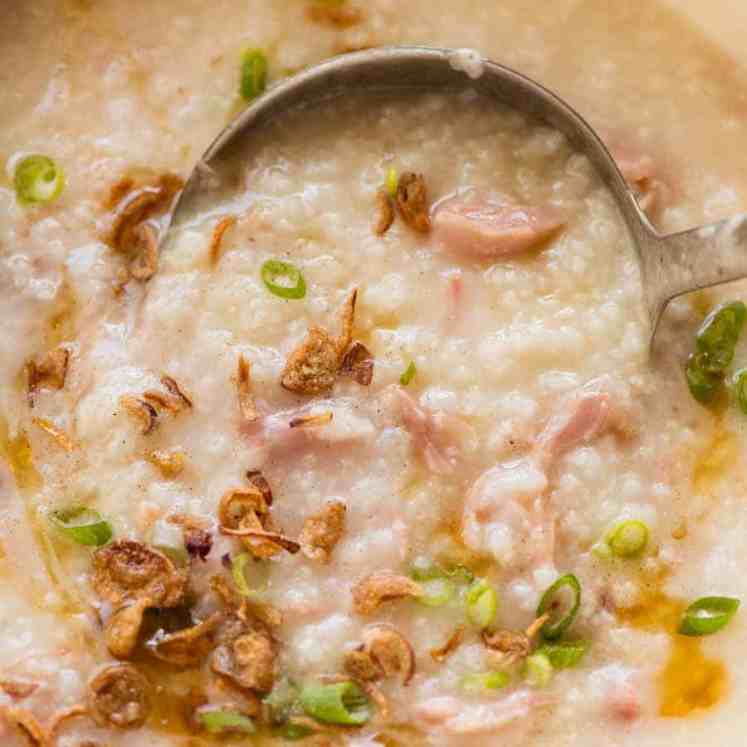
(670, 265)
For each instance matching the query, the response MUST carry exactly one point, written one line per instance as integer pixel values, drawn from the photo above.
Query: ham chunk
(486, 230)
(457, 717)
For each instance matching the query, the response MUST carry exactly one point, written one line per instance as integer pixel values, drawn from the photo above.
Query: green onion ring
(708, 615)
(628, 538)
(253, 74)
(739, 388)
(436, 592)
(482, 604)
(564, 654)
(482, 681)
(538, 670)
(82, 525)
(37, 180)
(718, 335)
(409, 374)
(224, 721)
(273, 269)
(343, 703)
(553, 630)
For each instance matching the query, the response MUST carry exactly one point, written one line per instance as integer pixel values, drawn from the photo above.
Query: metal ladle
(670, 265)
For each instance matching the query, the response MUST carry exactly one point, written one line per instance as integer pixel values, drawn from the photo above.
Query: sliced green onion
(482, 604)
(169, 539)
(224, 721)
(702, 383)
(392, 181)
(564, 654)
(253, 73)
(409, 374)
(740, 389)
(238, 573)
(708, 615)
(38, 179)
(538, 670)
(437, 592)
(293, 286)
(83, 525)
(718, 335)
(424, 569)
(628, 538)
(482, 681)
(342, 703)
(550, 602)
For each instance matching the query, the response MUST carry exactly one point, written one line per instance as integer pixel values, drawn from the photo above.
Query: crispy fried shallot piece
(358, 363)
(244, 609)
(313, 367)
(247, 660)
(119, 695)
(145, 264)
(381, 587)
(18, 689)
(274, 538)
(142, 411)
(259, 481)
(412, 202)
(310, 420)
(216, 239)
(334, 16)
(127, 570)
(385, 216)
(62, 439)
(186, 647)
(390, 651)
(25, 722)
(360, 665)
(513, 646)
(128, 231)
(451, 644)
(173, 400)
(46, 371)
(169, 463)
(247, 408)
(134, 578)
(123, 628)
(322, 531)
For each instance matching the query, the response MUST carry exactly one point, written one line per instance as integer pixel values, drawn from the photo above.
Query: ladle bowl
(671, 265)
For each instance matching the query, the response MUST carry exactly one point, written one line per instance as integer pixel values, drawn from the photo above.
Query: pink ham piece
(436, 435)
(486, 230)
(457, 717)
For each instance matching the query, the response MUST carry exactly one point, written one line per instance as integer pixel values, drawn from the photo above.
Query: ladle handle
(694, 259)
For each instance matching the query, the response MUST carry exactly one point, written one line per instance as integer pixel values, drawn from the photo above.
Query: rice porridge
(373, 451)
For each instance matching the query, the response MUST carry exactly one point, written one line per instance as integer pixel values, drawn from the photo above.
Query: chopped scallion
(551, 602)
(409, 374)
(628, 538)
(740, 389)
(342, 703)
(253, 73)
(224, 721)
(391, 182)
(702, 383)
(538, 670)
(83, 525)
(293, 285)
(238, 568)
(484, 681)
(37, 180)
(564, 654)
(718, 335)
(436, 592)
(708, 615)
(482, 604)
